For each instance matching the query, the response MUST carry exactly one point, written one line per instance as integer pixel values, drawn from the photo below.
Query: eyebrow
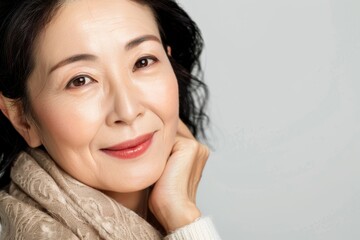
(89, 57)
(72, 59)
(137, 41)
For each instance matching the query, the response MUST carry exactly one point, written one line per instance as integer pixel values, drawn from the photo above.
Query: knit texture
(44, 202)
(202, 229)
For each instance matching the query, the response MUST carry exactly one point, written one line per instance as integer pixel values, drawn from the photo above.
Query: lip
(130, 149)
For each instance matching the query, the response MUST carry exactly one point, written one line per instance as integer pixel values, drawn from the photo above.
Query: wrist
(176, 215)
(182, 217)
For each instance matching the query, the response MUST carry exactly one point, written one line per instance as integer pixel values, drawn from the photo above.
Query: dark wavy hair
(23, 20)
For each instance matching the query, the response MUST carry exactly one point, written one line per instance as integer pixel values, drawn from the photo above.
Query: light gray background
(285, 108)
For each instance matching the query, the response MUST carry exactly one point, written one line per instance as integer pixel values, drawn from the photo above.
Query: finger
(193, 153)
(184, 131)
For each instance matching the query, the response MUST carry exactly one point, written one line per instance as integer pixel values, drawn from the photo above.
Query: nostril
(118, 122)
(127, 121)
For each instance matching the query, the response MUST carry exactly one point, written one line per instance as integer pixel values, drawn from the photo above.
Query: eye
(79, 81)
(144, 62)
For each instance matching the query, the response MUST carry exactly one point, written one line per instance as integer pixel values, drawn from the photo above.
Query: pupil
(143, 62)
(80, 81)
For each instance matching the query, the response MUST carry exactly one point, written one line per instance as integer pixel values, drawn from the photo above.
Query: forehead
(82, 25)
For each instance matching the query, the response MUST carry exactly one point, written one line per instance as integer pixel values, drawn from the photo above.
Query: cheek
(166, 107)
(67, 122)
(162, 96)
(168, 101)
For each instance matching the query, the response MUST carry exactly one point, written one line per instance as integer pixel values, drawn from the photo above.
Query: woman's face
(104, 96)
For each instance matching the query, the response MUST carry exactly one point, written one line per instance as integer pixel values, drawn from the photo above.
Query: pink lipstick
(130, 149)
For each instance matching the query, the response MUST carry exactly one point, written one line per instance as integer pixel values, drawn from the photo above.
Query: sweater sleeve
(201, 229)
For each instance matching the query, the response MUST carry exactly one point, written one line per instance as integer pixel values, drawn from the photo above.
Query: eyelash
(137, 66)
(147, 58)
(84, 77)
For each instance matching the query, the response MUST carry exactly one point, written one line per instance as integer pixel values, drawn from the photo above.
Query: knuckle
(204, 152)
(199, 150)
(193, 145)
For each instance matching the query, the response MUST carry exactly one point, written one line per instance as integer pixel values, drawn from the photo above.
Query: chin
(149, 181)
(140, 181)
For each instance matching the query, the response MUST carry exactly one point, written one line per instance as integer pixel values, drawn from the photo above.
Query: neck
(136, 201)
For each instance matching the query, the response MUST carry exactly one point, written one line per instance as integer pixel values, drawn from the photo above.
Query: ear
(168, 50)
(13, 110)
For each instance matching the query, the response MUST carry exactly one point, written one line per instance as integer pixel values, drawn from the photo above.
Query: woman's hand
(173, 198)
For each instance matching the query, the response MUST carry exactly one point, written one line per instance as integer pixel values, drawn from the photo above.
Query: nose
(126, 105)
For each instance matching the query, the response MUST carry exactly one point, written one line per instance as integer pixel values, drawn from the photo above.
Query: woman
(96, 99)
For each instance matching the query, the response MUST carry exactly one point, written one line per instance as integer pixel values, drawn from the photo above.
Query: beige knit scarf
(43, 202)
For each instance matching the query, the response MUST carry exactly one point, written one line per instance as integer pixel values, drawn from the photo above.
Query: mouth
(130, 149)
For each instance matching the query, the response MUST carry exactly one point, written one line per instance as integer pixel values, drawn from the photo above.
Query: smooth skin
(116, 85)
